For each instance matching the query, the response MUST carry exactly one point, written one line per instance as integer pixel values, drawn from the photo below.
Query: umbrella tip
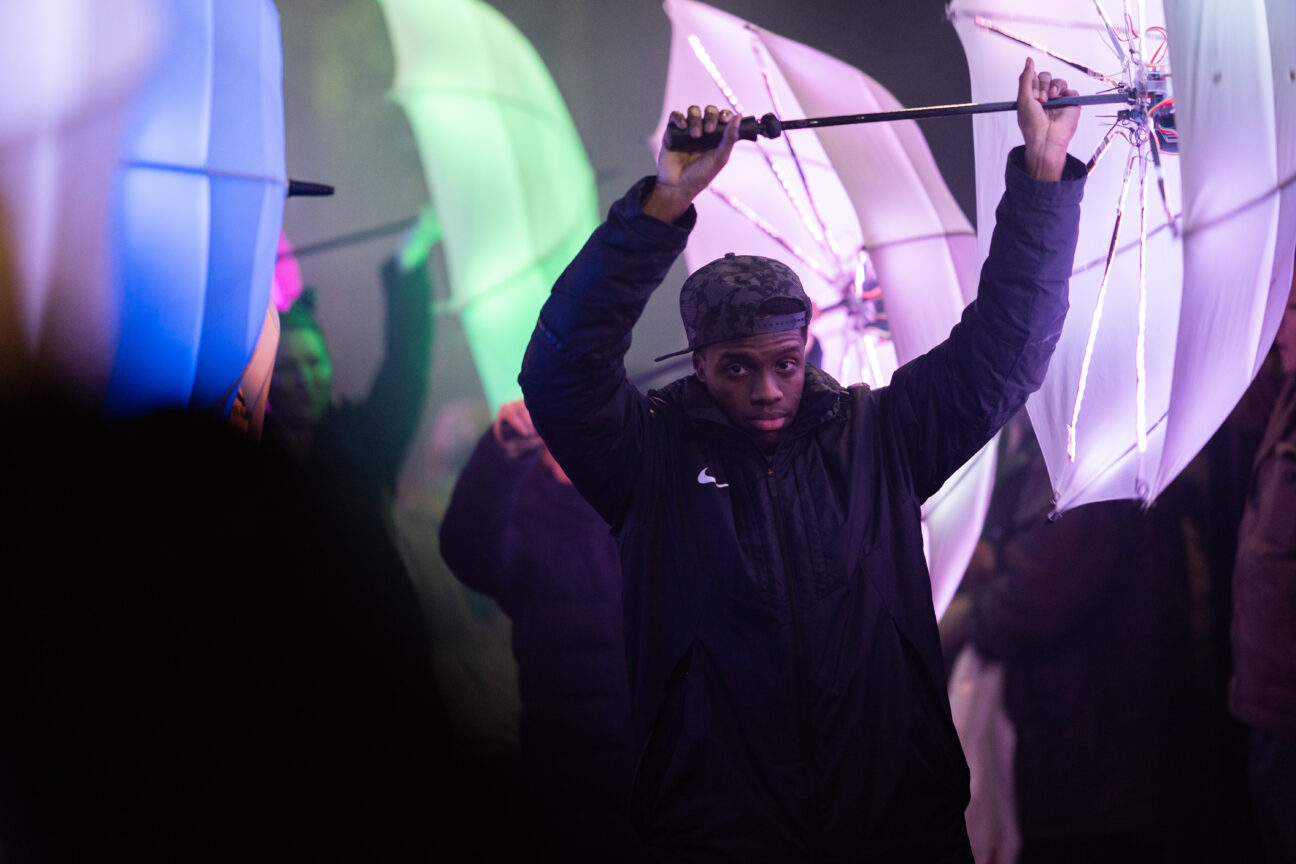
(307, 188)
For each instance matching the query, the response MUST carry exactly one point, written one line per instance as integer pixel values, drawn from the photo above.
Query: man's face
(756, 381)
(302, 385)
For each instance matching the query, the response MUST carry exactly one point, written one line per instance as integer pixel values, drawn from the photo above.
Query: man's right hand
(681, 176)
(513, 429)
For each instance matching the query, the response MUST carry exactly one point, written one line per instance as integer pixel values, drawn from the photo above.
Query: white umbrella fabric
(1160, 344)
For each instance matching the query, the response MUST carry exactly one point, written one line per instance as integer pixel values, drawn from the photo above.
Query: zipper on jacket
(808, 771)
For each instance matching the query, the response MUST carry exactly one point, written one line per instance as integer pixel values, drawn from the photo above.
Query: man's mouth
(768, 422)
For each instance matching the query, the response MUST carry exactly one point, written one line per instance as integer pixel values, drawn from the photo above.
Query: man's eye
(735, 369)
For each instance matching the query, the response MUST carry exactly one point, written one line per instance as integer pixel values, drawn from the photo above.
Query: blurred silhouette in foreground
(184, 674)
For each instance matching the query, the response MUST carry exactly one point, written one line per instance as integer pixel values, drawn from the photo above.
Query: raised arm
(395, 402)
(947, 403)
(573, 375)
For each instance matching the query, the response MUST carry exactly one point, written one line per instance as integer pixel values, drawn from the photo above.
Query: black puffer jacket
(786, 677)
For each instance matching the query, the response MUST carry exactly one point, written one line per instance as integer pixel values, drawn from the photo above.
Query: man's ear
(699, 365)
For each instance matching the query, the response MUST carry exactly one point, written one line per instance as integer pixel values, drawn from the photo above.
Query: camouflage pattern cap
(721, 301)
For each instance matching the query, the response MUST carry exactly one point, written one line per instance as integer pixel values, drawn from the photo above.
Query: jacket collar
(822, 399)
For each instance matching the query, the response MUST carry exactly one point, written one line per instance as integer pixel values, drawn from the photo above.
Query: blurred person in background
(518, 531)
(1262, 689)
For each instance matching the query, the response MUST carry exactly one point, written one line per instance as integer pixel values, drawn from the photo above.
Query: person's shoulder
(824, 394)
(669, 395)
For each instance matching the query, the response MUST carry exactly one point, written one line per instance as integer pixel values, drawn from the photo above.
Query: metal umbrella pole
(772, 127)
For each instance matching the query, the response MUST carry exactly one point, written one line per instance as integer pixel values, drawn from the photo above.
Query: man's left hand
(1047, 131)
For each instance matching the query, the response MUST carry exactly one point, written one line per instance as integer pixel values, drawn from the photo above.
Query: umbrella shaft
(771, 127)
(948, 111)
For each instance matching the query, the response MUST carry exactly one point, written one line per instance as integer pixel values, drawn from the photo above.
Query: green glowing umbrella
(505, 168)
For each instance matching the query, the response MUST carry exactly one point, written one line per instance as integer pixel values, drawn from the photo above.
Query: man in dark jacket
(787, 686)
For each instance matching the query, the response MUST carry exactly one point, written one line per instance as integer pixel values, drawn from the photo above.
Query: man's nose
(766, 389)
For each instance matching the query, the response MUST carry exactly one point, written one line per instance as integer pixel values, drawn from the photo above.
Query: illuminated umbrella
(1161, 342)
(68, 70)
(198, 206)
(505, 169)
(859, 212)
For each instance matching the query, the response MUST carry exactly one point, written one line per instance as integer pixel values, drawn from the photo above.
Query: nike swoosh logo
(705, 478)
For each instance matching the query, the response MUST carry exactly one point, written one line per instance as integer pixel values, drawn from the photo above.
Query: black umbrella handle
(678, 139)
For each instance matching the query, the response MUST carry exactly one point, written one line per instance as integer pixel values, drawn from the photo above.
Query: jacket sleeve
(947, 403)
(477, 532)
(573, 375)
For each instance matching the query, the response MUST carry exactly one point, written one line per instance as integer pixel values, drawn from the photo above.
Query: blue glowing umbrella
(197, 207)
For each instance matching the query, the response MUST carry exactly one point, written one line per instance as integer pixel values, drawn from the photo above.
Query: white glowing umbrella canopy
(68, 71)
(1161, 368)
(847, 208)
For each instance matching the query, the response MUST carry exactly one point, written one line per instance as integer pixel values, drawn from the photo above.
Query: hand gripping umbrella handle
(678, 139)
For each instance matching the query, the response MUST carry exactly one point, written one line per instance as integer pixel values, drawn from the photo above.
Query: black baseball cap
(723, 301)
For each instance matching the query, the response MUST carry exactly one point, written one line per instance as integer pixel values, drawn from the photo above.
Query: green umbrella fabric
(505, 167)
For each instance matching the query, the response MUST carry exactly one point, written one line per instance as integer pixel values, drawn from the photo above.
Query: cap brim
(673, 354)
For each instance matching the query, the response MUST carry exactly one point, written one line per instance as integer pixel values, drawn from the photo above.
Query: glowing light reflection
(714, 72)
(819, 228)
(770, 231)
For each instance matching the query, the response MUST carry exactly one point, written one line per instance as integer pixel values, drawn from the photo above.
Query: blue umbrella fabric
(198, 203)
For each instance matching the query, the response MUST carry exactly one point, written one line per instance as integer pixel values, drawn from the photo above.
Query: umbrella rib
(482, 95)
(1201, 226)
(204, 172)
(1111, 32)
(704, 57)
(546, 258)
(891, 244)
(1101, 150)
(987, 24)
(350, 238)
(1097, 314)
(1084, 268)
(796, 159)
(954, 14)
(1241, 208)
(1079, 493)
(717, 77)
(770, 231)
(1140, 345)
